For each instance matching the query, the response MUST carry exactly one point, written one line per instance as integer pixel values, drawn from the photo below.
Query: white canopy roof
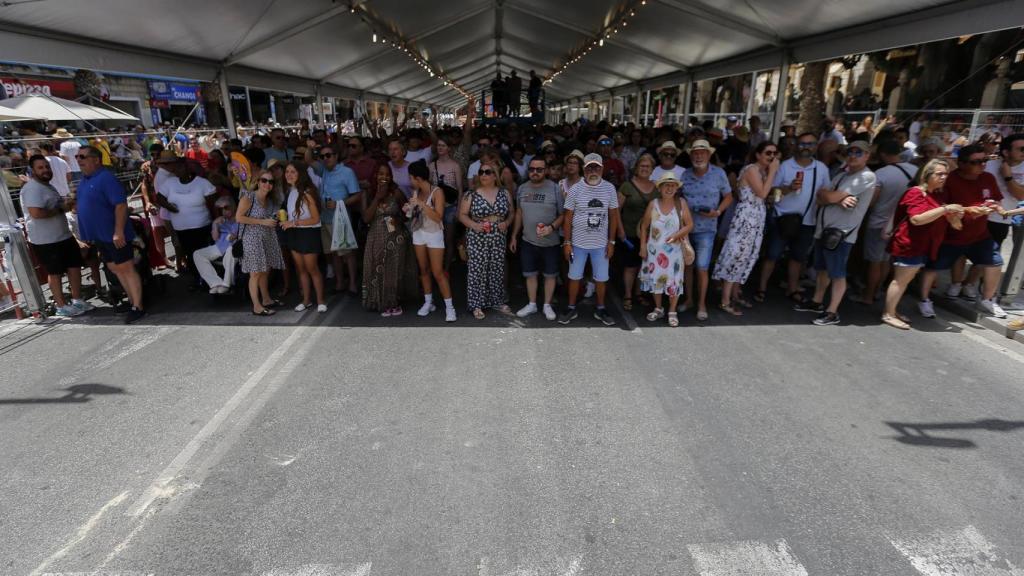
(300, 46)
(38, 107)
(8, 115)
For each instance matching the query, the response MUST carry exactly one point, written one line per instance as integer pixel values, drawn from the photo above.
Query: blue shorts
(798, 247)
(981, 253)
(909, 261)
(114, 255)
(703, 244)
(598, 263)
(539, 259)
(832, 261)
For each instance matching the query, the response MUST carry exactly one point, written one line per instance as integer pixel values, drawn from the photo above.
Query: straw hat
(63, 133)
(666, 177)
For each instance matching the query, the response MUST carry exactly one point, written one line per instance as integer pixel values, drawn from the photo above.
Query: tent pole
(225, 101)
(780, 96)
(322, 116)
(753, 96)
(687, 103)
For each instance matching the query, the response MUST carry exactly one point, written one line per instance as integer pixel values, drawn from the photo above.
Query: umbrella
(39, 107)
(8, 115)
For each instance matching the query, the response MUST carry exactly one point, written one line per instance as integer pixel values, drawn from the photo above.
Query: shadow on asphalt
(77, 394)
(918, 434)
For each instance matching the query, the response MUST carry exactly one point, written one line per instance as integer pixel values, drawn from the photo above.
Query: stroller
(151, 283)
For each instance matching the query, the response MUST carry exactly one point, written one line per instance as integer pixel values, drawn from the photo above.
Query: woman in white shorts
(425, 210)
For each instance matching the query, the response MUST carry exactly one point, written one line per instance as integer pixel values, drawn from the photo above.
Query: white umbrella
(8, 115)
(51, 108)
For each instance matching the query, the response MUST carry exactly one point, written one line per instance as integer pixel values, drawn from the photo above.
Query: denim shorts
(909, 261)
(598, 263)
(832, 261)
(539, 259)
(704, 245)
(981, 253)
(798, 247)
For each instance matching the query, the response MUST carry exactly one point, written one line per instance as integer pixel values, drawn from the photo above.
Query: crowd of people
(673, 215)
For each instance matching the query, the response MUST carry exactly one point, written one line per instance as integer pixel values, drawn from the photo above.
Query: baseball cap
(593, 159)
(860, 144)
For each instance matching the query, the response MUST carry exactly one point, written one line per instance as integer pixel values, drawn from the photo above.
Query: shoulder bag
(789, 224)
(451, 195)
(238, 247)
(832, 237)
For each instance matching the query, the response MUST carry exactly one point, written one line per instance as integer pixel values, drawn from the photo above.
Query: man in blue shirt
(708, 193)
(339, 189)
(279, 149)
(103, 222)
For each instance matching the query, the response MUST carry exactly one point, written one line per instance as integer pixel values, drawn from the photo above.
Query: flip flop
(478, 314)
(730, 310)
(264, 312)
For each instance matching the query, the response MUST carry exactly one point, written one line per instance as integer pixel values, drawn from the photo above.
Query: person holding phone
(303, 229)
(261, 252)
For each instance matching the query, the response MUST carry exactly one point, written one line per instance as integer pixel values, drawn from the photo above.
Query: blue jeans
(598, 263)
(703, 244)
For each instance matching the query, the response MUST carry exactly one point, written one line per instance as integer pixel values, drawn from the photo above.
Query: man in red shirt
(978, 192)
(614, 171)
(197, 154)
(364, 166)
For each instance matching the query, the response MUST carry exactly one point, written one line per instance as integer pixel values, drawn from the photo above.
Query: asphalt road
(205, 442)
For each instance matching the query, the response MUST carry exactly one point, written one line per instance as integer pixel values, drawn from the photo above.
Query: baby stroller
(151, 283)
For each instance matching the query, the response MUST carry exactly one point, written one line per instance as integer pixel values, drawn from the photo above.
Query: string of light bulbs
(621, 20)
(396, 41)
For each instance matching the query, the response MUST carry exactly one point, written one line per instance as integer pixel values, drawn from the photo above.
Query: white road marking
(117, 349)
(323, 570)
(963, 552)
(561, 567)
(747, 558)
(80, 534)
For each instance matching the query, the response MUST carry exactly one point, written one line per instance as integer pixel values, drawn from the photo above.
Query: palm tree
(812, 97)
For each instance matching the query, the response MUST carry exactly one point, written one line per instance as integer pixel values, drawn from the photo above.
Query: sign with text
(174, 91)
(21, 86)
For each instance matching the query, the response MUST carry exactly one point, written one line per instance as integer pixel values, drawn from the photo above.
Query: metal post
(637, 106)
(1014, 274)
(322, 115)
(225, 101)
(688, 103)
(647, 107)
(17, 250)
(780, 97)
(751, 104)
(248, 107)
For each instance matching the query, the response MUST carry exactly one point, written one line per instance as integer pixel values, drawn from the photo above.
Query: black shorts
(305, 240)
(113, 255)
(58, 257)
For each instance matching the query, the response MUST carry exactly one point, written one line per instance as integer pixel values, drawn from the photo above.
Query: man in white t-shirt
(61, 171)
(667, 154)
(414, 149)
(68, 149)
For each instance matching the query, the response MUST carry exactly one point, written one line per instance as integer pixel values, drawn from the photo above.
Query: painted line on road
(963, 552)
(80, 534)
(745, 559)
(560, 567)
(168, 475)
(323, 570)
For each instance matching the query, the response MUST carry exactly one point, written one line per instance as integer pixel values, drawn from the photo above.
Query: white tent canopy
(8, 115)
(324, 46)
(39, 107)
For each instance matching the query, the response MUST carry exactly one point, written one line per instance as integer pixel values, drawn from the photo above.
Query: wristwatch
(612, 242)
(1007, 178)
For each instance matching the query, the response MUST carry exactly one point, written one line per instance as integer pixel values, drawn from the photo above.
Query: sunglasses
(487, 172)
(855, 152)
(83, 156)
(266, 180)
(536, 169)
(807, 144)
(770, 153)
(604, 142)
(977, 162)
(327, 155)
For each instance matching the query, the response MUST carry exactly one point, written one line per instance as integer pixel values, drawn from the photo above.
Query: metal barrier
(17, 262)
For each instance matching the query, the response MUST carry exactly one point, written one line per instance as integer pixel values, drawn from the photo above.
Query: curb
(968, 311)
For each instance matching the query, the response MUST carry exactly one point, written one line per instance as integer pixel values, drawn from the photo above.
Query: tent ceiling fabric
(296, 46)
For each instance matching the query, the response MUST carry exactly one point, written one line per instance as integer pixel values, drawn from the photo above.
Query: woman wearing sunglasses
(743, 242)
(261, 251)
(303, 228)
(487, 214)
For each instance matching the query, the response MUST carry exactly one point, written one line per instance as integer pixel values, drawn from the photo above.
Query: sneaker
(603, 315)
(992, 308)
(953, 290)
(426, 309)
(826, 319)
(527, 310)
(83, 305)
(303, 307)
(122, 307)
(808, 305)
(549, 312)
(68, 311)
(927, 308)
(449, 314)
(134, 315)
(321, 308)
(396, 311)
(569, 315)
(969, 292)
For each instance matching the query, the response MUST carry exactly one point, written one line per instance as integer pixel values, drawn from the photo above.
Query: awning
(8, 115)
(52, 108)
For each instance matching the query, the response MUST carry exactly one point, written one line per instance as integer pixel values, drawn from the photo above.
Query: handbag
(832, 237)
(451, 195)
(788, 225)
(237, 247)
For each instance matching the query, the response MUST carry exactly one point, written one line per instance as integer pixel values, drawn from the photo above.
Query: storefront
(173, 102)
(21, 86)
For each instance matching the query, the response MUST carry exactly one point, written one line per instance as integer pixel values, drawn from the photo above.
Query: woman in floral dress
(387, 244)
(487, 215)
(666, 223)
(743, 243)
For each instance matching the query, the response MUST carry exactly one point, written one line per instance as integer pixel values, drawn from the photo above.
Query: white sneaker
(67, 311)
(83, 305)
(427, 308)
(213, 290)
(992, 307)
(591, 288)
(970, 292)
(449, 315)
(321, 308)
(527, 310)
(953, 290)
(549, 313)
(927, 309)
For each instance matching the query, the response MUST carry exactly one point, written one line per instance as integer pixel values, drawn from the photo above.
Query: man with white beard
(590, 222)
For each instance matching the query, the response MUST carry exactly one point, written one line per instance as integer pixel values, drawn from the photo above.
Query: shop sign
(21, 86)
(174, 91)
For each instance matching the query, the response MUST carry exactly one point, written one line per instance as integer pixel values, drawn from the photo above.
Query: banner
(21, 86)
(173, 91)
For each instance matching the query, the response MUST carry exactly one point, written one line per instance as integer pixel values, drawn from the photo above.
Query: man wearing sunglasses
(279, 149)
(978, 192)
(103, 221)
(339, 190)
(841, 206)
(614, 170)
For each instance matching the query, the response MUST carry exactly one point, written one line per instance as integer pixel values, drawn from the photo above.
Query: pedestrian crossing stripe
(746, 558)
(964, 552)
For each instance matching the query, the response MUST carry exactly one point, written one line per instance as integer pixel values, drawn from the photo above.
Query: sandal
(504, 309)
(656, 314)
(796, 296)
(273, 304)
(478, 314)
(264, 312)
(895, 322)
(743, 302)
(702, 316)
(760, 296)
(673, 319)
(627, 304)
(902, 317)
(730, 310)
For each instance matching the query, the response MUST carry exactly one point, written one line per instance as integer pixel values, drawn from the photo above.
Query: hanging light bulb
(600, 42)
(374, 37)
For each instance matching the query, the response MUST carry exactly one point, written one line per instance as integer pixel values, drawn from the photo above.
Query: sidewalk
(969, 310)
